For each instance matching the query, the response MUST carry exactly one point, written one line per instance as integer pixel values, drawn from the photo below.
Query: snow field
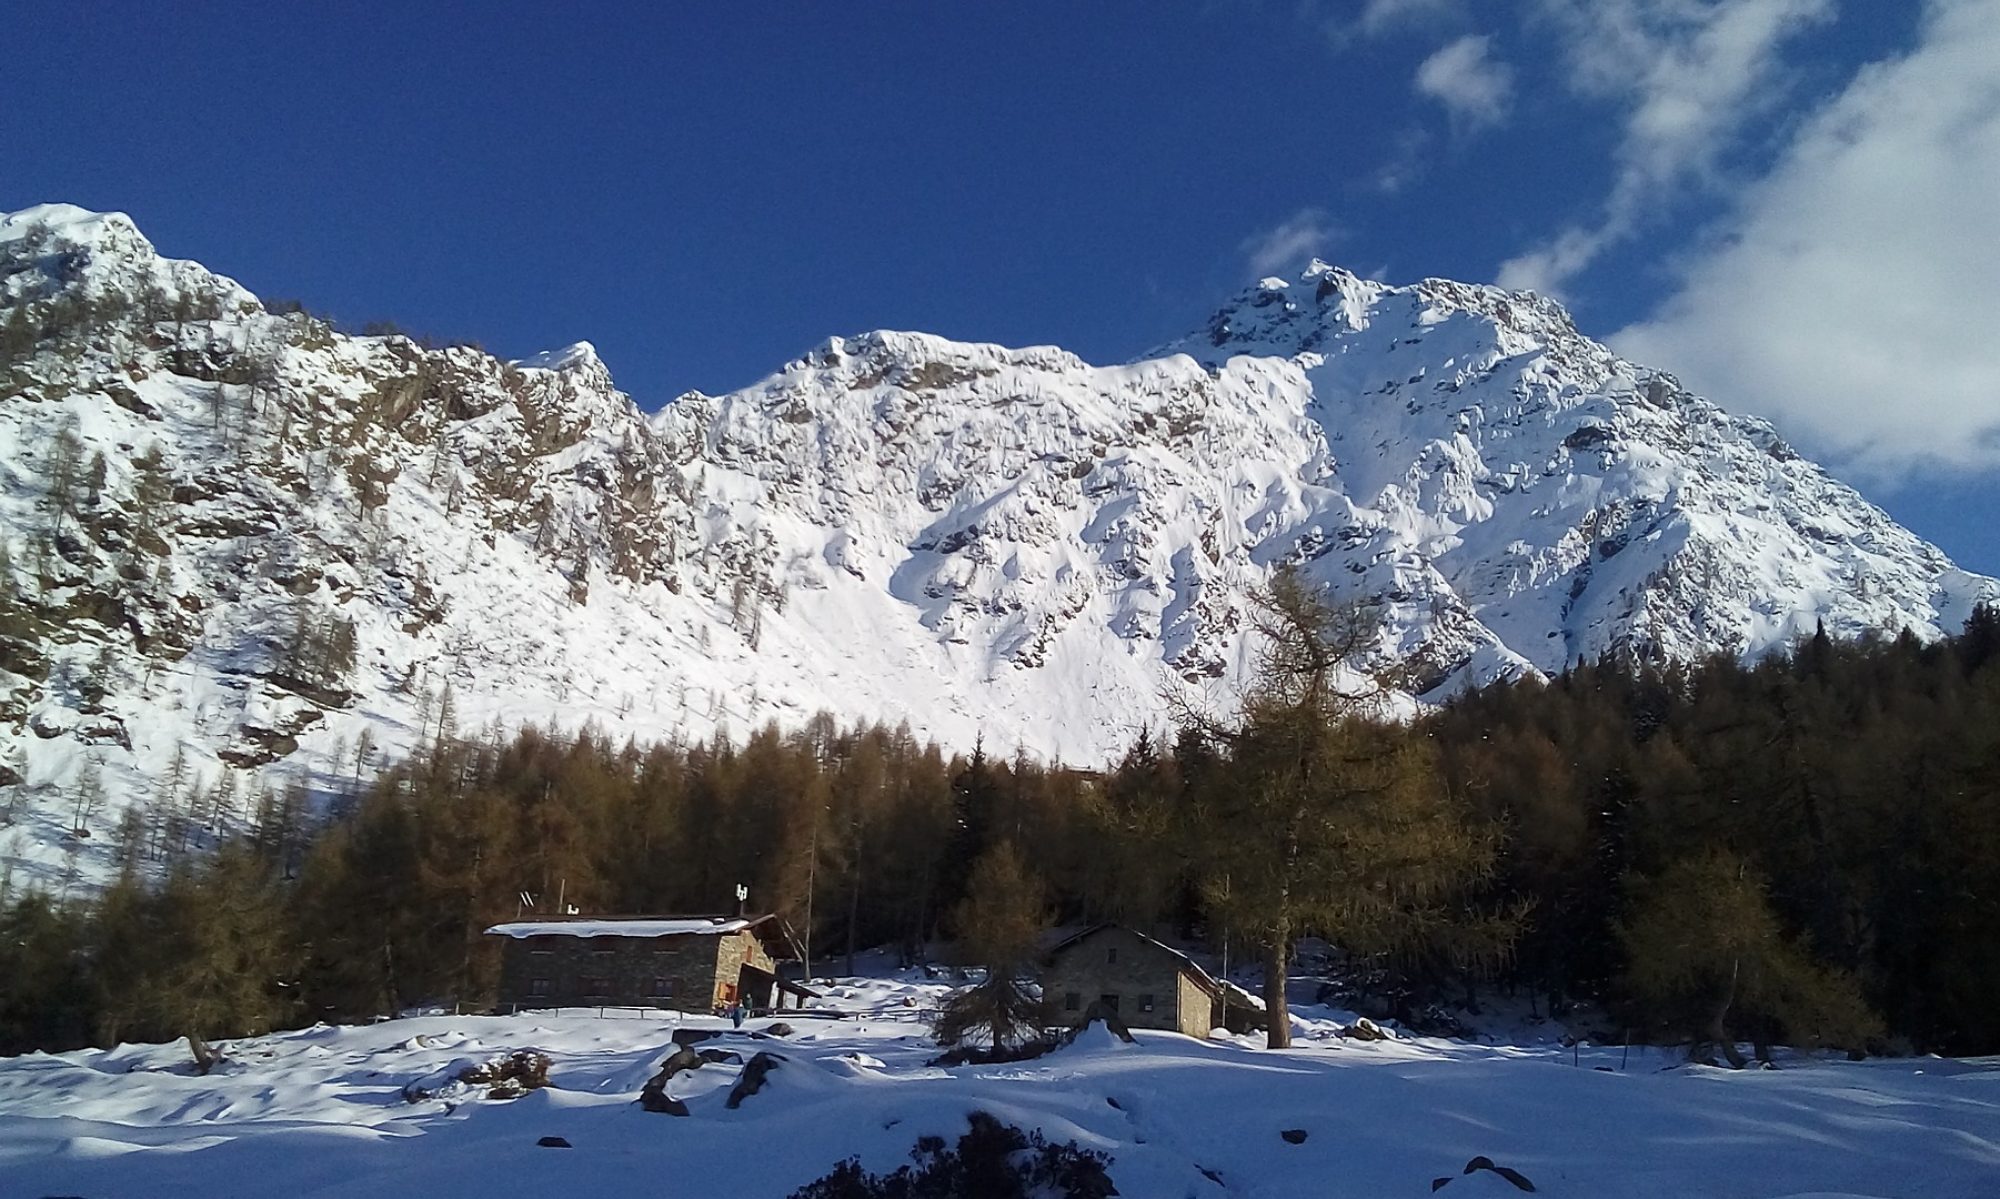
(320, 1112)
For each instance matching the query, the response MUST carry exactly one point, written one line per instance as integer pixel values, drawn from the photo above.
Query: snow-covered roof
(1202, 978)
(677, 926)
(1237, 995)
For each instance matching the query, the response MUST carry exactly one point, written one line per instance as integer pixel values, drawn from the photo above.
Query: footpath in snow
(323, 1112)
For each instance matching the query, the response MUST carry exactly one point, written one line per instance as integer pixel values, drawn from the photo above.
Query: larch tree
(1706, 957)
(1003, 915)
(1321, 818)
(65, 475)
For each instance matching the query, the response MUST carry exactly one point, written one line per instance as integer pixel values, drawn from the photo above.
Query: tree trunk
(1718, 1025)
(854, 906)
(812, 879)
(1277, 1014)
(389, 978)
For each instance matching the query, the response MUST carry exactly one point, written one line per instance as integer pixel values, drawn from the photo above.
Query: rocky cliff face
(244, 549)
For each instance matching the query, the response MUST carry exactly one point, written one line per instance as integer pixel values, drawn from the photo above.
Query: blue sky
(1791, 203)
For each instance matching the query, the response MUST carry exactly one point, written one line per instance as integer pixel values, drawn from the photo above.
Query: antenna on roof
(742, 894)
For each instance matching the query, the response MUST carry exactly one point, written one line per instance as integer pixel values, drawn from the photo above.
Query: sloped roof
(1240, 997)
(786, 985)
(627, 926)
(1193, 969)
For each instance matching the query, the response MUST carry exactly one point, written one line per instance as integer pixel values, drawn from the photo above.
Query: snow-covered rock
(305, 551)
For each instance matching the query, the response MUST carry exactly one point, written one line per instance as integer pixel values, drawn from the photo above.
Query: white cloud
(1381, 17)
(1854, 295)
(1285, 248)
(1406, 165)
(1475, 88)
(1691, 74)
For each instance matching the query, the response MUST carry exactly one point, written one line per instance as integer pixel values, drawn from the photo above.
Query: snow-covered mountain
(240, 544)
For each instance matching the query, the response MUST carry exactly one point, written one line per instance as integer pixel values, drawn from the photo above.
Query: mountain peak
(577, 356)
(105, 253)
(66, 221)
(1282, 318)
(1308, 313)
(982, 541)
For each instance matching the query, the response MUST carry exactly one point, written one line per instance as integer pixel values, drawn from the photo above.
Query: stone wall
(1118, 962)
(733, 952)
(568, 971)
(1198, 1010)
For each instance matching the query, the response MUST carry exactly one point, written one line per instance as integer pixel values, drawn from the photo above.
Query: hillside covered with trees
(1801, 851)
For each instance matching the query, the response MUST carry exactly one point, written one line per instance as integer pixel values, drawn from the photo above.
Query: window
(663, 988)
(1111, 956)
(1072, 1001)
(1145, 1003)
(1110, 1001)
(540, 986)
(597, 986)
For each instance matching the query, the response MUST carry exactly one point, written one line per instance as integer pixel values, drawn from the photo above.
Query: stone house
(693, 963)
(1148, 983)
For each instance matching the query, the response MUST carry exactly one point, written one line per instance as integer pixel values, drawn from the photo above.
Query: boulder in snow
(682, 1059)
(1364, 1029)
(1484, 1163)
(509, 1076)
(654, 1098)
(752, 1081)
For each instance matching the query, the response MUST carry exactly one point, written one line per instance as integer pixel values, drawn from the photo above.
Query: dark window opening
(663, 987)
(1110, 1001)
(1072, 1001)
(1145, 1003)
(597, 986)
(1111, 956)
(540, 986)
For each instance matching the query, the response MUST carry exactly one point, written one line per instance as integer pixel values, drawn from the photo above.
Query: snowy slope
(321, 1112)
(1575, 502)
(337, 533)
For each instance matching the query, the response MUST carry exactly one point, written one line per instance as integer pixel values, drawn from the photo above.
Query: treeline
(1831, 812)
(1802, 851)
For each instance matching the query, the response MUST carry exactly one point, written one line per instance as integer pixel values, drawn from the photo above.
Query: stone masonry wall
(1115, 961)
(733, 952)
(1196, 1011)
(566, 971)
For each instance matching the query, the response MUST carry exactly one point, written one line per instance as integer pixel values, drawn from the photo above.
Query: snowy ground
(320, 1112)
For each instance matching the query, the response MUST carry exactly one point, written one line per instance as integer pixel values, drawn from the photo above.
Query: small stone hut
(693, 963)
(1148, 983)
